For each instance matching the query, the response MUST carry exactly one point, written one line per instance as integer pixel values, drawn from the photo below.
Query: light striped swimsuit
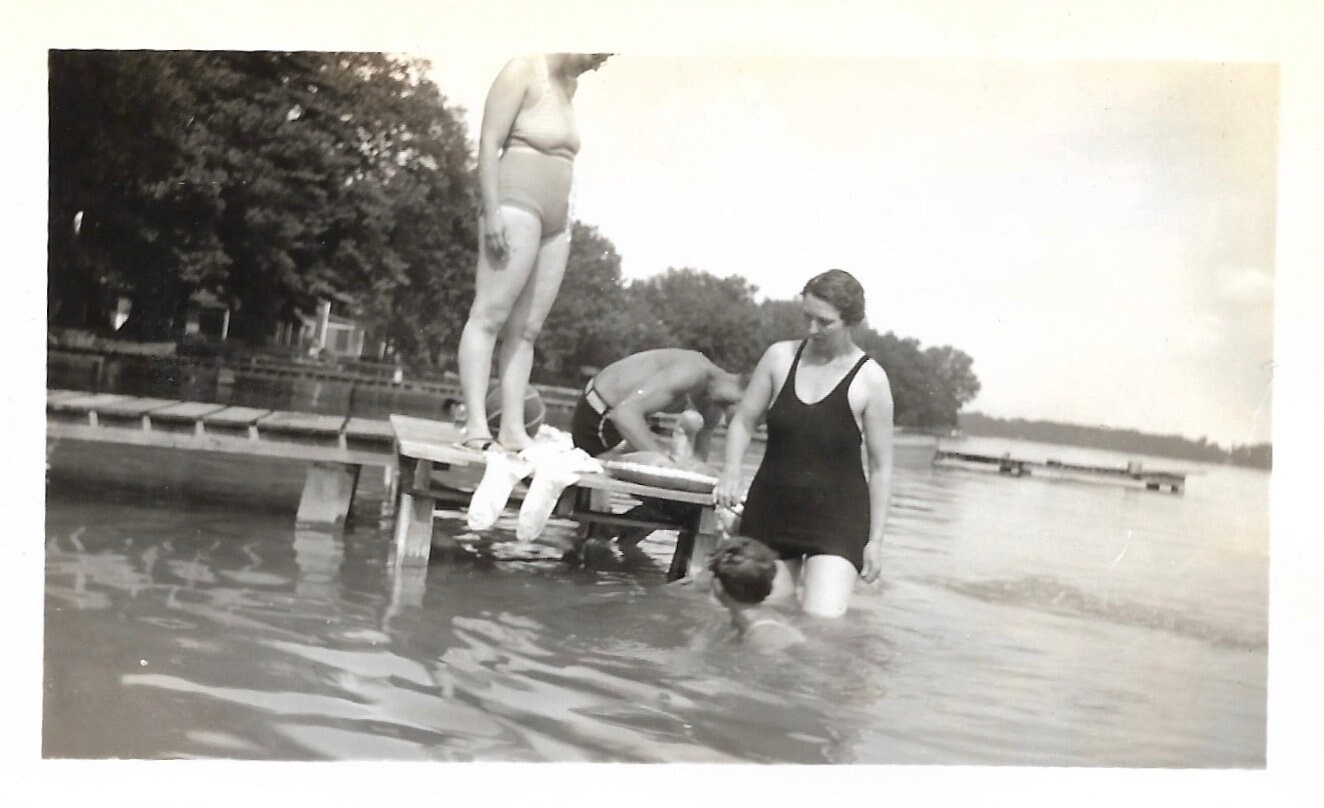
(536, 169)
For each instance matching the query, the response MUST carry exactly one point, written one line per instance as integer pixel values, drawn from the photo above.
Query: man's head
(743, 570)
(726, 389)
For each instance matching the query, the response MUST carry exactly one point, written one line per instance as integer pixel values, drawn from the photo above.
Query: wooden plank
(615, 486)
(412, 534)
(53, 396)
(218, 443)
(328, 493)
(85, 402)
(368, 429)
(423, 430)
(438, 441)
(134, 407)
(619, 520)
(234, 416)
(186, 411)
(302, 423)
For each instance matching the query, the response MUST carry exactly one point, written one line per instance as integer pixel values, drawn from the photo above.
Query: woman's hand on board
(728, 488)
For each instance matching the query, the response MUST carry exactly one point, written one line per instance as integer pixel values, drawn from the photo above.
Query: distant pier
(1130, 474)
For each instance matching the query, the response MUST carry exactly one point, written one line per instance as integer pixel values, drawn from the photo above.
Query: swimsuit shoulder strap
(850, 376)
(789, 381)
(843, 386)
(795, 363)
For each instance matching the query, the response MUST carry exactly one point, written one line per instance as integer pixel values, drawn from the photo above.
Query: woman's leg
(496, 288)
(521, 330)
(827, 582)
(783, 585)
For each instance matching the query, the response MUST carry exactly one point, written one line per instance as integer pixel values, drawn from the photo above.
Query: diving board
(423, 446)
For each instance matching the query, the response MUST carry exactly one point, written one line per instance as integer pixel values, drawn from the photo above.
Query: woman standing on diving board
(526, 154)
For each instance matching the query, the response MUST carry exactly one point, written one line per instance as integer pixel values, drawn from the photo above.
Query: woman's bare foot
(514, 442)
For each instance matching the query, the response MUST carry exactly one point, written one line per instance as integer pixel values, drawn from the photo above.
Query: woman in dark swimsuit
(820, 495)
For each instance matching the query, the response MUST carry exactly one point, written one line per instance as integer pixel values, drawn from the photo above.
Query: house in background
(342, 336)
(323, 334)
(207, 316)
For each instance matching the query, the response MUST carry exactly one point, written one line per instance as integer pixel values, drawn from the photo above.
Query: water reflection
(183, 623)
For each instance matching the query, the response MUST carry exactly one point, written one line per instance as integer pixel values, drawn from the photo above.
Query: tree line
(1130, 441)
(273, 180)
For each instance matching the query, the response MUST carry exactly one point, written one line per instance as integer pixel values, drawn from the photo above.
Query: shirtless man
(611, 415)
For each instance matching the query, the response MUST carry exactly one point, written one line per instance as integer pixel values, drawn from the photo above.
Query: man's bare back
(626, 392)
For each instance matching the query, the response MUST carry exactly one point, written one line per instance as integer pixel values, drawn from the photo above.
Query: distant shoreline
(1126, 441)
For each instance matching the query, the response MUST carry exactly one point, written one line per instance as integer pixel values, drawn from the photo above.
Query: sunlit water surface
(1019, 621)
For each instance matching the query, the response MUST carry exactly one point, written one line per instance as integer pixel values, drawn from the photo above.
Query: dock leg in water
(328, 493)
(413, 529)
(695, 544)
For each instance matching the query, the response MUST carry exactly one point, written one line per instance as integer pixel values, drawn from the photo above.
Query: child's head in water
(743, 571)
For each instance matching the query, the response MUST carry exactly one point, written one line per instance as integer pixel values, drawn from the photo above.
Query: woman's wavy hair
(839, 288)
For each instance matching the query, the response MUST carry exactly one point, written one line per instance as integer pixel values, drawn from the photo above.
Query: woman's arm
(752, 406)
(877, 418)
(504, 100)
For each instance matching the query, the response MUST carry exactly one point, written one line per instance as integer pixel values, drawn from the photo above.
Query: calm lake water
(1019, 621)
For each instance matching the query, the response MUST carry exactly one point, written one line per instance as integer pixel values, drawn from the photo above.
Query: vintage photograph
(495, 402)
(618, 407)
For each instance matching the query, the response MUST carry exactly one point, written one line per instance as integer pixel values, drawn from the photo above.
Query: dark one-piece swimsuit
(810, 496)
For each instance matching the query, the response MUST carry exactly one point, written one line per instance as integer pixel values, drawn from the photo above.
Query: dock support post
(680, 561)
(328, 493)
(587, 501)
(413, 529)
(695, 544)
(413, 515)
(705, 543)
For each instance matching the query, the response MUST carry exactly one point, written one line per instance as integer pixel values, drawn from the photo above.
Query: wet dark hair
(839, 288)
(745, 568)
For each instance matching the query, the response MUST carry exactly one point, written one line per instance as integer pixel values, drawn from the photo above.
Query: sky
(1097, 234)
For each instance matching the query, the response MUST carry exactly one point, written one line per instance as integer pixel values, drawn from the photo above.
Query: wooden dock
(1131, 474)
(423, 463)
(336, 446)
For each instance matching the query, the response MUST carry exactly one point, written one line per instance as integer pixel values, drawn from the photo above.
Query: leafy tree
(780, 320)
(270, 179)
(953, 384)
(906, 370)
(274, 179)
(703, 312)
(126, 163)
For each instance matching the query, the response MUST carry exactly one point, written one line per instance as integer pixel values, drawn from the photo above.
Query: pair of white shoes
(554, 463)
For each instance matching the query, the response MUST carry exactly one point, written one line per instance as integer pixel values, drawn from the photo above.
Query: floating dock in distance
(1130, 474)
